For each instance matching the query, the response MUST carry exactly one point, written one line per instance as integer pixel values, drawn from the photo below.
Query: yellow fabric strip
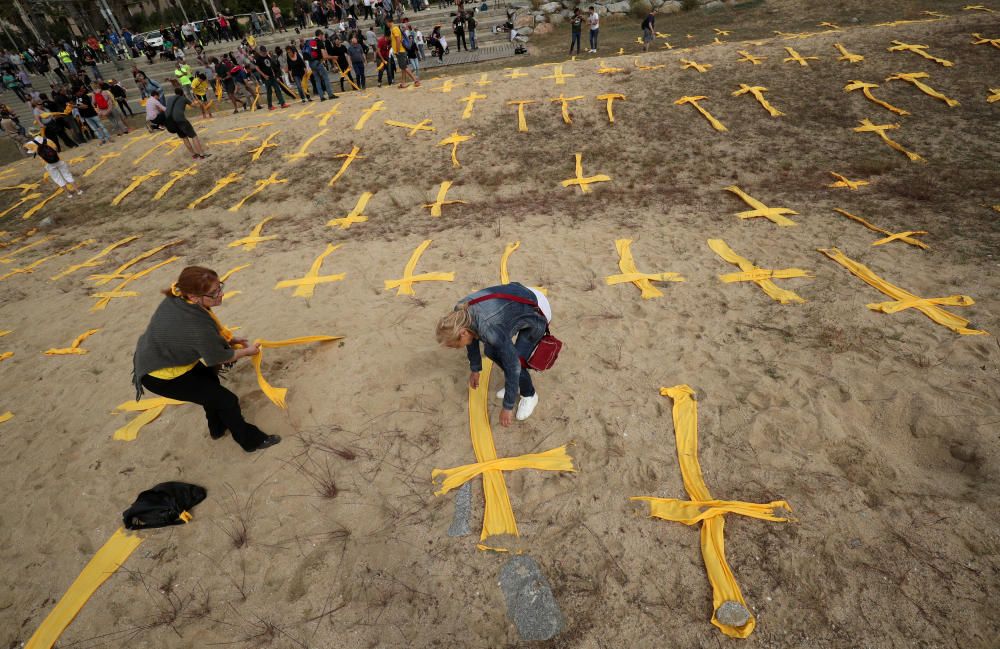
(844, 182)
(914, 78)
(30, 268)
(642, 281)
(716, 124)
(74, 347)
(9, 257)
(219, 184)
(96, 259)
(261, 186)
(105, 563)
(170, 373)
(906, 300)
(21, 201)
(366, 115)
(795, 57)
(773, 214)
(104, 298)
(559, 76)
(469, 101)
(454, 140)
(348, 159)
(866, 90)
(440, 201)
(250, 242)
(301, 153)
(255, 154)
(149, 410)
(357, 215)
(119, 273)
(277, 395)
(305, 285)
(919, 50)
(906, 237)
(5, 355)
(405, 283)
(761, 277)
(556, 459)
(37, 207)
(136, 181)
(413, 129)
(848, 56)
(584, 181)
(758, 94)
(7, 416)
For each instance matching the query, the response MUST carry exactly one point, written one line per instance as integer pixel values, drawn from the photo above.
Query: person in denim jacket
(509, 331)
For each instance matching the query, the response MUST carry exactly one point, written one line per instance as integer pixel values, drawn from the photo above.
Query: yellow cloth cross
(5, 355)
(366, 115)
(242, 139)
(914, 78)
(119, 273)
(647, 68)
(515, 73)
(30, 268)
(424, 125)
(138, 138)
(246, 128)
(325, 117)
(103, 299)
(37, 207)
(610, 98)
(405, 283)
(250, 241)
(470, 99)
(219, 184)
(758, 94)
(747, 57)
(104, 158)
(7, 416)
(930, 307)
(582, 181)
(700, 67)
(844, 182)
(301, 153)
(225, 278)
(356, 215)
(868, 127)
(920, 50)
(982, 40)
(994, 97)
(850, 57)
(261, 186)
(454, 140)
(522, 124)
(498, 517)
(171, 144)
(716, 124)
(149, 410)
(348, 159)
(105, 563)
(565, 105)
(440, 201)
(905, 237)
(731, 614)
(866, 90)
(305, 112)
(773, 214)
(504, 258)
(558, 75)
(604, 69)
(174, 177)
(642, 281)
(136, 181)
(977, 8)
(446, 86)
(21, 201)
(264, 146)
(74, 348)
(795, 57)
(760, 276)
(305, 285)
(277, 395)
(484, 80)
(23, 187)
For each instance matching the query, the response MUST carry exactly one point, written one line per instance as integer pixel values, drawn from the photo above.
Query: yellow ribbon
(866, 90)
(366, 115)
(264, 146)
(610, 98)
(277, 395)
(7, 416)
(850, 57)
(758, 94)
(584, 181)
(261, 186)
(795, 57)
(470, 100)
(148, 409)
(692, 65)
(454, 140)
(423, 125)
(305, 285)
(879, 129)
(356, 215)
(504, 258)
(716, 124)
(559, 76)
(136, 181)
(440, 201)
(405, 283)
(642, 281)
(905, 237)
(522, 123)
(74, 348)
(914, 78)
(760, 276)
(920, 50)
(250, 241)
(348, 159)
(219, 184)
(773, 214)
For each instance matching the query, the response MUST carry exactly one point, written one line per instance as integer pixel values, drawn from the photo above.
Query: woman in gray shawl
(178, 356)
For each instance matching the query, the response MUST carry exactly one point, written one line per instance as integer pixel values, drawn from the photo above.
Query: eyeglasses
(217, 293)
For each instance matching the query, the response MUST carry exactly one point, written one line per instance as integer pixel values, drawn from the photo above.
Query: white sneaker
(526, 407)
(500, 393)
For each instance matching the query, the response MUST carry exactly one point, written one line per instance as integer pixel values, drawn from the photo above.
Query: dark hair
(194, 281)
(179, 91)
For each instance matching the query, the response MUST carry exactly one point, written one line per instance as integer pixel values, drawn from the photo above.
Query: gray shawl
(179, 333)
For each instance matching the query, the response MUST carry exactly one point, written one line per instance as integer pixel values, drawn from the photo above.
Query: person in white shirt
(595, 26)
(155, 112)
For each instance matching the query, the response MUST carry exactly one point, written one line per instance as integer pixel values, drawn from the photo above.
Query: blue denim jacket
(495, 322)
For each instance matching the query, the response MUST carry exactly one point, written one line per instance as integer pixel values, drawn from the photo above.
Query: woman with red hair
(179, 354)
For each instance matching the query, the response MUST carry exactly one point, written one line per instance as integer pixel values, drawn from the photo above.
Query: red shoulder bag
(547, 350)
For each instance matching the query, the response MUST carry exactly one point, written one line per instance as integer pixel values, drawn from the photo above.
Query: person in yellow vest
(67, 61)
(182, 72)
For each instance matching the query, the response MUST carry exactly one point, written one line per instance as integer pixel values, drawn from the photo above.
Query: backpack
(407, 42)
(100, 101)
(45, 152)
(165, 504)
(310, 49)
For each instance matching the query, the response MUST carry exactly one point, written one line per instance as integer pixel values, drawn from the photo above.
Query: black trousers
(125, 108)
(201, 385)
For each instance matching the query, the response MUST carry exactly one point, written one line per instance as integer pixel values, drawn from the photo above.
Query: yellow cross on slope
(136, 181)
(905, 237)
(795, 57)
(522, 123)
(261, 185)
(357, 215)
(104, 298)
(920, 50)
(366, 115)
(930, 307)
(647, 67)
(454, 140)
(582, 181)
(242, 139)
(325, 117)
(504, 258)
(74, 349)
(250, 241)
(104, 158)
(469, 100)
(515, 73)
(348, 159)
(219, 184)
(559, 76)
(716, 124)
(762, 277)
(484, 80)
(642, 281)
(424, 125)
(565, 106)
(30, 268)
(21, 201)
(844, 182)
(747, 57)
(404, 285)
(119, 273)
(305, 285)
(610, 98)
(977, 8)
(137, 139)
(773, 214)
(446, 86)
(914, 78)
(301, 153)
(758, 94)
(277, 395)
(731, 614)
(246, 128)
(264, 146)
(171, 144)
(34, 209)
(23, 187)
(848, 56)
(994, 96)
(305, 112)
(96, 259)
(498, 517)
(982, 40)
(879, 129)
(174, 177)
(150, 409)
(436, 206)
(604, 69)
(225, 278)
(688, 65)
(866, 90)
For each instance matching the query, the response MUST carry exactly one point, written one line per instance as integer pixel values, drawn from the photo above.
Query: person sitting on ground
(177, 123)
(57, 169)
(155, 112)
(179, 354)
(495, 322)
